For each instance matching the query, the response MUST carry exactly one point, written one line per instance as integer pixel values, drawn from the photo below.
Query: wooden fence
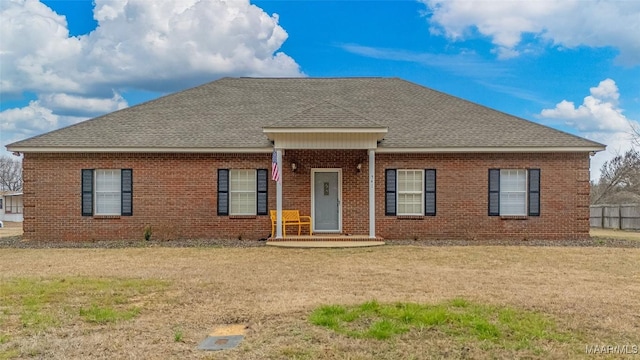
(623, 217)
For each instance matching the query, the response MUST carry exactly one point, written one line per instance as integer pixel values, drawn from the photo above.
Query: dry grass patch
(591, 293)
(34, 306)
(615, 234)
(11, 229)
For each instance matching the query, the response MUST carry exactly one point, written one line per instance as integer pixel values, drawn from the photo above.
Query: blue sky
(572, 65)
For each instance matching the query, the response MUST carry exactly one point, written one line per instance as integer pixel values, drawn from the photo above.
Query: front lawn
(387, 302)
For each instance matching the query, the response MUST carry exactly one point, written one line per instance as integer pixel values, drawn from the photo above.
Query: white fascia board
(324, 130)
(138, 150)
(491, 150)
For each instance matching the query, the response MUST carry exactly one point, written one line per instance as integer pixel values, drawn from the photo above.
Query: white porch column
(372, 193)
(279, 196)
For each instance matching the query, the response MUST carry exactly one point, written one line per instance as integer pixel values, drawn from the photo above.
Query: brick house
(380, 157)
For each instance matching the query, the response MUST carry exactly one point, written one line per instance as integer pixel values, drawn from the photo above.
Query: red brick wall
(355, 185)
(176, 194)
(462, 181)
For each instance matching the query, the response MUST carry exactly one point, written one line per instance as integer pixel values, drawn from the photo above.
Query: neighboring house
(380, 157)
(11, 206)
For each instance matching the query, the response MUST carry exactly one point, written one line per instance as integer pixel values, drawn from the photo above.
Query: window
(410, 192)
(13, 205)
(514, 192)
(107, 192)
(242, 192)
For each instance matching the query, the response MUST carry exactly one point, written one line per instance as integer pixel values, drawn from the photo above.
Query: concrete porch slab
(323, 244)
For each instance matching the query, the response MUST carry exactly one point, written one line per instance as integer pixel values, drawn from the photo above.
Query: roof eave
(18, 149)
(270, 149)
(522, 149)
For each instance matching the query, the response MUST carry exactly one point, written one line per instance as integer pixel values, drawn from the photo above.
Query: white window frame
(251, 194)
(412, 192)
(506, 175)
(98, 191)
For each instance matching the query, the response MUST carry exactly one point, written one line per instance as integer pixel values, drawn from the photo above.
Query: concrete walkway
(324, 244)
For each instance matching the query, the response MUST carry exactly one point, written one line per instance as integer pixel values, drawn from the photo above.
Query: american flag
(275, 174)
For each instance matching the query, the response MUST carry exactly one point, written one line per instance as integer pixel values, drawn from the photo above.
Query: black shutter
(262, 185)
(126, 186)
(494, 192)
(87, 192)
(534, 192)
(223, 192)
(390, 192)
(430, 192)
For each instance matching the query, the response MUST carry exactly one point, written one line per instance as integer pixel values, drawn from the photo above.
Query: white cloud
(80, 105)
(599, 111)
(465, 64)
(173, 43)
(158, 46)
(36, 51)
(137, 40)
(569, 23)
(598, 118)
(33, 119)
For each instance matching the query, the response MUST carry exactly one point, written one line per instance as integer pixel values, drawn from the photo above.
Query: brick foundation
(176, 194)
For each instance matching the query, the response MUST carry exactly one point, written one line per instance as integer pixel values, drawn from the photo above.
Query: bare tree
(635, 134)
(619, 180)
(10, 174)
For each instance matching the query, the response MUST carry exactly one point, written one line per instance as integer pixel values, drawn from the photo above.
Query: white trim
(252, 176)
(272, 130)
(490, 150)
(372, 193)
(422, 204)
(313, 200)
(524, 191)
(259, 150)
(325, 141)
(279, 196)
(96, 172)
(138, 150)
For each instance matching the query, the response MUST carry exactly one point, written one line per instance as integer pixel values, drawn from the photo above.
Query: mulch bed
(17, 243)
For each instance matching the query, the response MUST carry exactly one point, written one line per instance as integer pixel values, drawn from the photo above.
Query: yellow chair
(289, 217)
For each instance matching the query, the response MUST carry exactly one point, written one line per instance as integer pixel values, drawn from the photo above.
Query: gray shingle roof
(231, 113)
(325, 115)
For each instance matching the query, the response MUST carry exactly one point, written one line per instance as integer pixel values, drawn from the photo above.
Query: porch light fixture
(294, 167)
(359, 167)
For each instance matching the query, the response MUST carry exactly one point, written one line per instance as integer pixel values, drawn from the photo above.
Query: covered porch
(325, 161)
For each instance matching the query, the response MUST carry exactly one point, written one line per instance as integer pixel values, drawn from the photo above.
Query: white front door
(326, 196)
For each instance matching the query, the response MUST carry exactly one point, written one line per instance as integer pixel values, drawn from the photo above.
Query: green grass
(177, 335)
(9, 354)
(39, 304)
(458, 319)
(103, 315)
